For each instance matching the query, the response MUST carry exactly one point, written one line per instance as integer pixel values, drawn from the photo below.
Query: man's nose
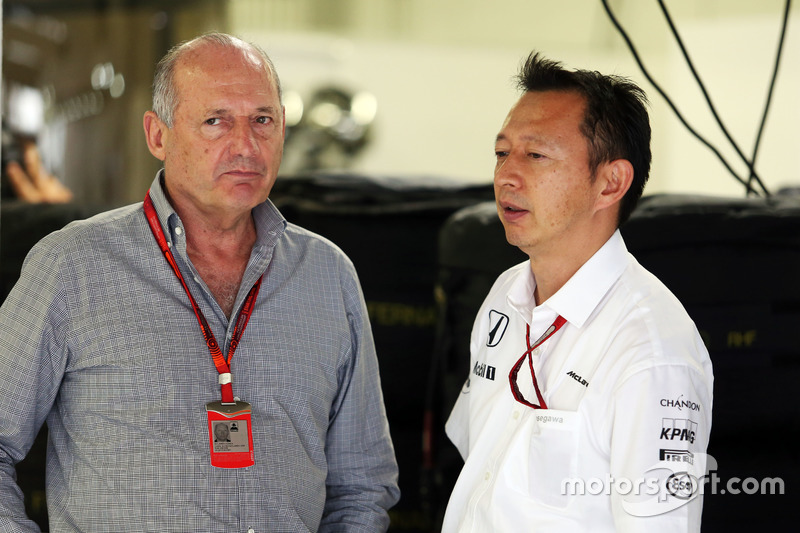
(244, 140)
(508, 171)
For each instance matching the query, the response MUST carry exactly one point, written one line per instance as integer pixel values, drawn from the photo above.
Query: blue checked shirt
(99, 340)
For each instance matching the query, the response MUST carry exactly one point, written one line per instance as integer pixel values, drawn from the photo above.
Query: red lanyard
(223, 366)
(512, 376)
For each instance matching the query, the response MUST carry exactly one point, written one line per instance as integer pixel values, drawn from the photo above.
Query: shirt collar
(581, 294)
(270, 223)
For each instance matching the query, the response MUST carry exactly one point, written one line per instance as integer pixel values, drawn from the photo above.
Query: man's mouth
(244, 172)
(511, 208)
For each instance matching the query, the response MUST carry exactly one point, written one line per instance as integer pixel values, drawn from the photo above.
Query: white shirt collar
(581, 294)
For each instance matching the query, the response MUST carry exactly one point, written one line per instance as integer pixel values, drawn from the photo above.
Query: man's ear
(616, 176)
(155, 132)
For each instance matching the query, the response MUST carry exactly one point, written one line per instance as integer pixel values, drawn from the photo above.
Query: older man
(132, 333)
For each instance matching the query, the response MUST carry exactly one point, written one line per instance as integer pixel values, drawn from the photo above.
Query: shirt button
(178, 231)
(487, 475)
(537, 351)
(515, 415)
(251, 530)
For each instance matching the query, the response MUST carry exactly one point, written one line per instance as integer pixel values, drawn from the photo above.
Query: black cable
(772, 83)
(750, 164)
(669, 101)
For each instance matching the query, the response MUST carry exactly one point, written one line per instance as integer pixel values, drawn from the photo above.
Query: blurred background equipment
(25, 177)
(438, 71)
(335, 127)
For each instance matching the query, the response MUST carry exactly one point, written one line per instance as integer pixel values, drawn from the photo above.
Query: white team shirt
(628, 385)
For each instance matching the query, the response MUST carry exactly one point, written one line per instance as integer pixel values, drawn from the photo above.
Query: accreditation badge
(230, 434)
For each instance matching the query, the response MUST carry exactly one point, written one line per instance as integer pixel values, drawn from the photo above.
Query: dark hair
(615, 124)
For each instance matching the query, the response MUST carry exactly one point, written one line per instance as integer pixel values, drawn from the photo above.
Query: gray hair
(165, 94)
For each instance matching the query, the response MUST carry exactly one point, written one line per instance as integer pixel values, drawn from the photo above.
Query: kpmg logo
(679, 429)
(498, 322)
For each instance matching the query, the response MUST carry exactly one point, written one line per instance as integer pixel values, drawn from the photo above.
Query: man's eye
(212, 121)
(535, 155)
(500, 153)
(264, 120)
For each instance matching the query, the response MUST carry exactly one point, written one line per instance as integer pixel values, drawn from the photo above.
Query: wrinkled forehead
(217, 64)
(214, 54)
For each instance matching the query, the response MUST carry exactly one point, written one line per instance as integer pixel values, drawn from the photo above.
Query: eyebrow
(526, 138)
(224, 110)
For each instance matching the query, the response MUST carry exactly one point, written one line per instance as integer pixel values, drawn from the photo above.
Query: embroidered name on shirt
(577, 378)
(482, 370)
(548, 419)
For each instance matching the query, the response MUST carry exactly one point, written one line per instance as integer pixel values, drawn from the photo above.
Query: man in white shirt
(588, 404)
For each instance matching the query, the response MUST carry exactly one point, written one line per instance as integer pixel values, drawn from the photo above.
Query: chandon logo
(680, 403)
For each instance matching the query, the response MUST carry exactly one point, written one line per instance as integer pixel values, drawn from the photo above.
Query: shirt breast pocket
(544, 457)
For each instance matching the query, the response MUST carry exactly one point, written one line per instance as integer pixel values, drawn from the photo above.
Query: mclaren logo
(577, 378)
(498, 322)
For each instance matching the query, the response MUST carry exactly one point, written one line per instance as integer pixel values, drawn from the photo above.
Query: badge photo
(230, 434)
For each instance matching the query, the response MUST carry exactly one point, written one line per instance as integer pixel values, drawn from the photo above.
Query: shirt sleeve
(32, 349)
(362, 469)
(457, 426)
(661, 425)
